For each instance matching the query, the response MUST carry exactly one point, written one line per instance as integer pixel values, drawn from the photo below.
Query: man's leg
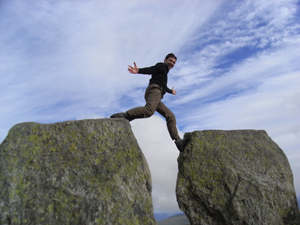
(163, 110)
(171, 124)
(152, 97)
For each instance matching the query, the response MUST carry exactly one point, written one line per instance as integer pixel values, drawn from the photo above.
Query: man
(153, 95)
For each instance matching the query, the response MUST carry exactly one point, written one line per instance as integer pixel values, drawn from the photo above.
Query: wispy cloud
(73, 56)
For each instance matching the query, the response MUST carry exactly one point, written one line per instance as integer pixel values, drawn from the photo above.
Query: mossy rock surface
(235, 177)
(75, 172)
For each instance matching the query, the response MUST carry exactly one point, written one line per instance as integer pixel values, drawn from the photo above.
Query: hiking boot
(119, 115)
(180, 144)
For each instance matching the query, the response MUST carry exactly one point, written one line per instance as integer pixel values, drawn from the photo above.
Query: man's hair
(171, 55)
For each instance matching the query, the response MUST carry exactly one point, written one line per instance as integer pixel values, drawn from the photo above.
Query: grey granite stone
(75, 172)
(235, 177)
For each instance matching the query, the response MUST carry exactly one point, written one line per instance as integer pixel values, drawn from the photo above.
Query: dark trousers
(153, 96)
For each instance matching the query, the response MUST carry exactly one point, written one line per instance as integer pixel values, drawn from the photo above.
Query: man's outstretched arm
(147, 70)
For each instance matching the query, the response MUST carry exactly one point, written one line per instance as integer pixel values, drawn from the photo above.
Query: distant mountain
(162, 216)
(298, 200)
(179, 219)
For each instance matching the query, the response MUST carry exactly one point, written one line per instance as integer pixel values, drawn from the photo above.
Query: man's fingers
(134, 69)
(174, 92)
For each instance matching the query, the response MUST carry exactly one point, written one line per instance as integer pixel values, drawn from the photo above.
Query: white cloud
(161, 154)
(251, 25)
(71, 59)
(248, 74)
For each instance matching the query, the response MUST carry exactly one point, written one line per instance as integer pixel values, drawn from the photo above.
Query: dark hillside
(179, 219)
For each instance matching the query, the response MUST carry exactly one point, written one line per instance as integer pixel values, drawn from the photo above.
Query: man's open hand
(134, 69)
(174, 92)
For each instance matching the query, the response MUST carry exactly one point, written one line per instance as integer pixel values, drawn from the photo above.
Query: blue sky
(238, 68)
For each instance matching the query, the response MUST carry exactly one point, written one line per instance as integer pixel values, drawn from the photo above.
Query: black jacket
(159, 76)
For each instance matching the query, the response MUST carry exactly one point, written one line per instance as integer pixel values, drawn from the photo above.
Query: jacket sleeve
(152, 70)
(168, 90)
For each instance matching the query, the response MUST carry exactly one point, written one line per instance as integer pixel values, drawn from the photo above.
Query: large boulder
(75, 172)
(235, 177)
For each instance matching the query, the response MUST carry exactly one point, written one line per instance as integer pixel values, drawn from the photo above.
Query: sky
(238, 68)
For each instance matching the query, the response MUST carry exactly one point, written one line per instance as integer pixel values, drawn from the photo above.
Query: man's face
(170, 62)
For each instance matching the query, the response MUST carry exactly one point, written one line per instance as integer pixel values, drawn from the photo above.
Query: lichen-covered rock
(75, 172)
(235, 177)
